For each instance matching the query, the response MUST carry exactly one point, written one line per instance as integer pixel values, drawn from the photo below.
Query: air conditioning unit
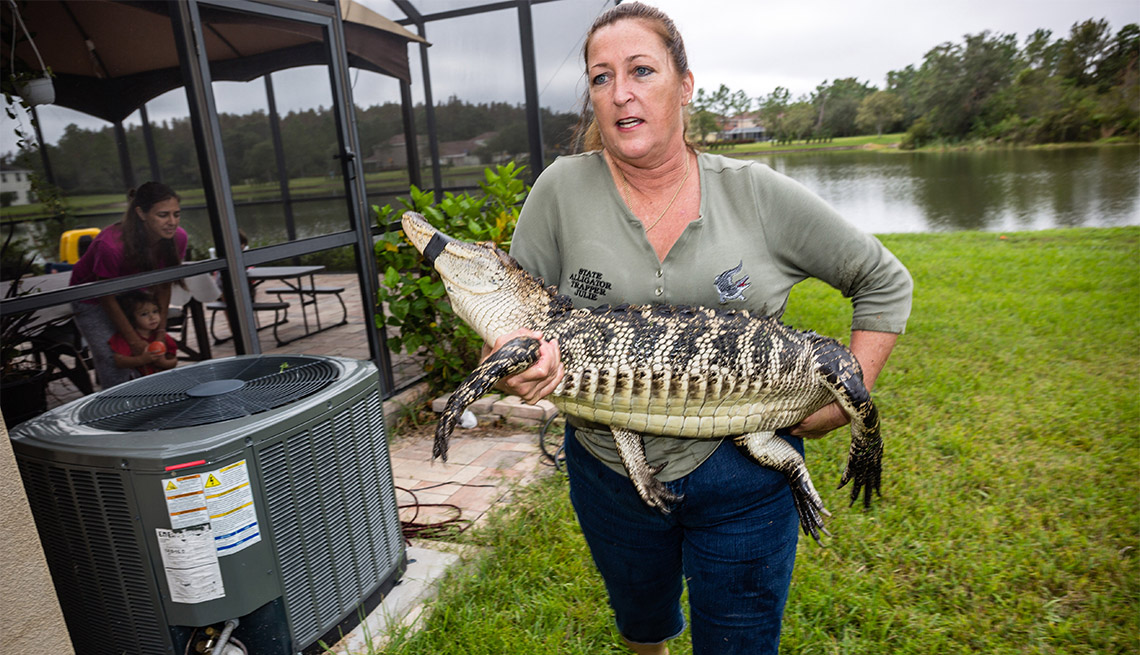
(253, 487)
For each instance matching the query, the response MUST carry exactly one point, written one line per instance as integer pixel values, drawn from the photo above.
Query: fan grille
(187, 397)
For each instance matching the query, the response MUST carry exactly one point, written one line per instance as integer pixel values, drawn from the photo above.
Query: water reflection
(989, 190)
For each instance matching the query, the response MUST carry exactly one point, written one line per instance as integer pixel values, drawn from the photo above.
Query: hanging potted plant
(33, 87)
(36, 90)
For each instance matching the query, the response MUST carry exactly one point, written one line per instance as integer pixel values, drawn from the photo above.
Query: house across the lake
(15, 187)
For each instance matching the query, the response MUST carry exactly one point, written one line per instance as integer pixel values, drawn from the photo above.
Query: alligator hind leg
(632, 451)
(770, 451)
(514, 357)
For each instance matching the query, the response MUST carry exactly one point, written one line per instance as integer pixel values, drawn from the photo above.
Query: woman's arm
(165, 362)
(138, 361)
(162, 297)
(872, 350)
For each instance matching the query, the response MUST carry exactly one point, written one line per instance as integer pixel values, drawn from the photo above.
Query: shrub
(921, 132)
(411, 290)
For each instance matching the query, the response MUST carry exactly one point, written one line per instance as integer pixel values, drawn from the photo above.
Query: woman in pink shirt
(147, 238)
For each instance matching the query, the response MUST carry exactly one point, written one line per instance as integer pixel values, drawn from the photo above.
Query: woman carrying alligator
(640, 217)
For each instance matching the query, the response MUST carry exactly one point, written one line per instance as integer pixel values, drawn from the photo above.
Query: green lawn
(870, 142)
(1010, 516)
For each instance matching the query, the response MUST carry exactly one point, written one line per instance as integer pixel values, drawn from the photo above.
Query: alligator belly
(701, 416)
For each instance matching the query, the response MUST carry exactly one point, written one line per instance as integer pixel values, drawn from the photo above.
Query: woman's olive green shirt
(758, 234)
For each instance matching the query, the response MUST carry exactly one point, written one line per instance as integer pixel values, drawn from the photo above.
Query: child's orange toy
(156, 347)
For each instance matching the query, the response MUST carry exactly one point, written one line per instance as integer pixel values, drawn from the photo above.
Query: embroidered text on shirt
(589, 284)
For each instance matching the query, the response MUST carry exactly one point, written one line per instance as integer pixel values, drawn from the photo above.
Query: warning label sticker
(221, 499)
(229, 500)
(191, 564)
(185, 501)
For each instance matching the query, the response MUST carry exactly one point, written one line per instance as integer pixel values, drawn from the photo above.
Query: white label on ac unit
(191, 563)
(185, 501)
(229, 499)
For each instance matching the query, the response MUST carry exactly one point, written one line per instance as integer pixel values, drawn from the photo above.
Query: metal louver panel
(85, 522)
(336, 545)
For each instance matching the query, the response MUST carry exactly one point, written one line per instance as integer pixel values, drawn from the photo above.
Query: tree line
(1080, 88)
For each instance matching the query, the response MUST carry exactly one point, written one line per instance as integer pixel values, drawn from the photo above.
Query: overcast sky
(744, 44)
(758, 46)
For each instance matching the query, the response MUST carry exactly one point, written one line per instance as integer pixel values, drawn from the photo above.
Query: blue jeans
(732, 538)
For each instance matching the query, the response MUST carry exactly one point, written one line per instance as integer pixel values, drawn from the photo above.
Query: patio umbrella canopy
(109, 58)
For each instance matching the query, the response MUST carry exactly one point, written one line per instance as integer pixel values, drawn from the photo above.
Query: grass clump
(1009, 521)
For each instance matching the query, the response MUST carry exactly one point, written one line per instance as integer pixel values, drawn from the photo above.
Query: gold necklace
(625, 187)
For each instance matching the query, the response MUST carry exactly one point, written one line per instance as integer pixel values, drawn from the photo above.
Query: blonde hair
(587, 135)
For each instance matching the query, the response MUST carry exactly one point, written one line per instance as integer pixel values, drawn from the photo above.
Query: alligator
(659, 369)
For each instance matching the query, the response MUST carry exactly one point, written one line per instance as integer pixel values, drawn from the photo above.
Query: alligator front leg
(514, 357)
(632, 451)
(840, 372)
(770, 451)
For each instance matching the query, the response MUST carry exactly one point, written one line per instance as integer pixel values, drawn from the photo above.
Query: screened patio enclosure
(255, 43)
(110, 57)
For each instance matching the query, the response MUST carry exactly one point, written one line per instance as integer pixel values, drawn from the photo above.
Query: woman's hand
(824, 420)
(538, 381)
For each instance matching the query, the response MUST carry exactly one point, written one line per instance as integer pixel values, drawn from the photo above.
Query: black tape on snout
(438, 242)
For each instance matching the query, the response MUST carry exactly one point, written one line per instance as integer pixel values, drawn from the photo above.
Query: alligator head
(487, 287)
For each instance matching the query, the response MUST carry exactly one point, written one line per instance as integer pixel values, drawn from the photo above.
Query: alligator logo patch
(727, 288)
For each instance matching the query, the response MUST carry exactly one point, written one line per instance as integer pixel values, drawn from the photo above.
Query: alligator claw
(809, 506)
(864, 468)
(861, 486)
(641, 473)
(653, 491)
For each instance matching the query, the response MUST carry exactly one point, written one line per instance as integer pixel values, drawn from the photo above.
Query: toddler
(141, 310)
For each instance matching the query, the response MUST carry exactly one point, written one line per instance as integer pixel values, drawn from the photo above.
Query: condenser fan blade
(208, 393)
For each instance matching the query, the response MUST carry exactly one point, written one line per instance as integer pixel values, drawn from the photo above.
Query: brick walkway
(481, 469)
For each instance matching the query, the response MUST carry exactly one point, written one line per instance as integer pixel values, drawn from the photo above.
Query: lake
(995, 190)
(881, 192)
